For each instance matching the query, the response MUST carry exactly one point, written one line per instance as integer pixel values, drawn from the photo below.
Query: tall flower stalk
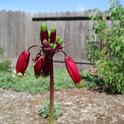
(51, 108)
(43, 63)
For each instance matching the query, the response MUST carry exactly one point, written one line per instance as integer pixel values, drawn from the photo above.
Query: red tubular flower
(73, 71)
(53, 35)
(38, 65)
(22, 62)
(47, 64)
(44, 32)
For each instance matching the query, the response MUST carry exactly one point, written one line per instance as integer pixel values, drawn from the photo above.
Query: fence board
(18, 32)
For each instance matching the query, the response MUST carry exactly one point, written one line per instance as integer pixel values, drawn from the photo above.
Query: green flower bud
(54, 46)
(60, 41)
(51, 45)
(43, 27)
(49, 32)
(53, 29)
(57, 38)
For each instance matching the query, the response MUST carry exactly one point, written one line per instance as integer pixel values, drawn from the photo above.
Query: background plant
(5, 64)
(108, 55)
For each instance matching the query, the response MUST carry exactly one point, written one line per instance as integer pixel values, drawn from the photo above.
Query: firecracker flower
(51, 44)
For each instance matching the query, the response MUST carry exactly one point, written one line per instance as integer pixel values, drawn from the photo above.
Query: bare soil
(80, 107)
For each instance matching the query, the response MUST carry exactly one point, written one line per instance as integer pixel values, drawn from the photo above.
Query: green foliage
(44, 110)
(5, 64)
(30, 84)
(91, 81)
(1, 50)
(109, 56)
(7, 80)
(92, 49)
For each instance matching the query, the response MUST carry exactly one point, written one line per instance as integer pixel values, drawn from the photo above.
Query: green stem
(51, 107)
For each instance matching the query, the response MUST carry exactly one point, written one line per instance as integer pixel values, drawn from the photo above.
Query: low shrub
(108, 55)
(44, 110)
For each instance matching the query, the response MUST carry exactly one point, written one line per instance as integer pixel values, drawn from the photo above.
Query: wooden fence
(18, 32)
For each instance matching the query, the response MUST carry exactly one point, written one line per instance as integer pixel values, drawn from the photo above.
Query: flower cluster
(51, 44)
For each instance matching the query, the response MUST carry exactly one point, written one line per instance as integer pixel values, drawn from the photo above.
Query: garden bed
(79, 106)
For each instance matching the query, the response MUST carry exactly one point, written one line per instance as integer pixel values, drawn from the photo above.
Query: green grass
(28, 83)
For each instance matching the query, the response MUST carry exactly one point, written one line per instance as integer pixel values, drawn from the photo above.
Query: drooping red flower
(47, 64)
(38, 65)
(72, 69)
(22, 62)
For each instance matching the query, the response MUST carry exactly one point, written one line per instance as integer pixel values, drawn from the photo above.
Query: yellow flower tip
(19, 74)
(14, 71)
(79, 85)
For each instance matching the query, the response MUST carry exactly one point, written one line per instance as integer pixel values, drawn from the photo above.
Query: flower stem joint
(51, 44)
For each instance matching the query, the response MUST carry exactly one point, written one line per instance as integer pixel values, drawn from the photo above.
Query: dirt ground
(79, 106)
